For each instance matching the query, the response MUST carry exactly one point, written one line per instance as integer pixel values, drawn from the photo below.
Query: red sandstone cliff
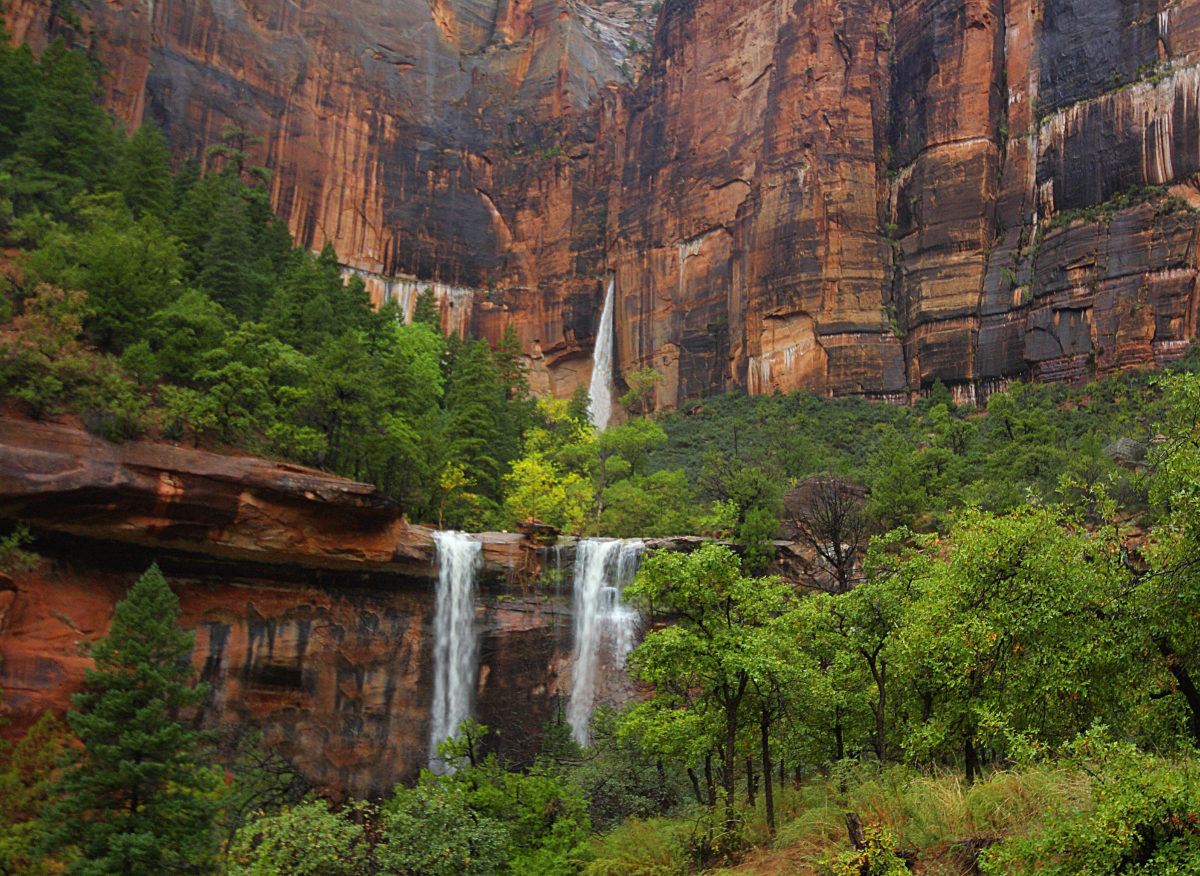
(311, 599)
(853, 196)
(233, 508)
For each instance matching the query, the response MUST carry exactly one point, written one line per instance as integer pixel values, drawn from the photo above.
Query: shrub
(430, 830)
(1145, 818)
(307, 840)
(652, 847)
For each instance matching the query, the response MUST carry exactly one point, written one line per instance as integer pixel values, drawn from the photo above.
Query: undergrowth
(935, 820)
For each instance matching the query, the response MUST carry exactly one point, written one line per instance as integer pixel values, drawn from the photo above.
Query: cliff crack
(767, 69)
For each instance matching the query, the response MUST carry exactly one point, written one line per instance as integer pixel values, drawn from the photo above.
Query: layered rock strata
(59, 478)
(311, 598)
(334, 669)
(851, 196)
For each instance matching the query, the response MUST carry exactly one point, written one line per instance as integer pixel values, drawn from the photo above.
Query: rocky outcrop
(242, 509)
(312, 600)
(856, 197)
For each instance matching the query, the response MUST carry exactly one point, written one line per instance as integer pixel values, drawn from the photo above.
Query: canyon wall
(858, 197)
(334, 670)
(311, 597)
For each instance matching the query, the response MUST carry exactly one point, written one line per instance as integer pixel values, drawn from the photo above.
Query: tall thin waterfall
(601, 390)
(455, 650)
(604, 626)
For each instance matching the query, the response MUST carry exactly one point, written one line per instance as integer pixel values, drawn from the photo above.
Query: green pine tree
(518, 410)
(186, 177)
(18, 91)
(426, 309)
(474, 397)
(68, 142)
(577, 408)
(510, 364)
(137, 797)
(228, 273)
(144, 173)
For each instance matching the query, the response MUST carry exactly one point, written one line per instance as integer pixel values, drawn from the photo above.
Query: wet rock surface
(857, 198)
(311, 598)
(335, 671)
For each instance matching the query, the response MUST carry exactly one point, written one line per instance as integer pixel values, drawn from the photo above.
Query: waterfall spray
(601, 390)
(455, 652)
(604, 626)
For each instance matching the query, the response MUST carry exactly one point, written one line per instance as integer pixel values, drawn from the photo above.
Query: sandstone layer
(311, 598)
(312, 601)
(59, 478)
(335, 670)
(850, 196)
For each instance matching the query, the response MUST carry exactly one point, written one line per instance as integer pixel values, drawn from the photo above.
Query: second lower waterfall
(604, 626)
(455, 649)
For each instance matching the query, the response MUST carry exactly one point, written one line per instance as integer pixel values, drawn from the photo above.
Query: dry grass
(938, 817)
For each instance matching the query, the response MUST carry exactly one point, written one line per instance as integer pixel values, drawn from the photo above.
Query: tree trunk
(854, 828)
(750, 781)
(1187, 686)
(764, 726)
(695, 785)
(880, 675)
(729, 771)
(971, 757)
(708, 780)
(782, 774)
(839, 745)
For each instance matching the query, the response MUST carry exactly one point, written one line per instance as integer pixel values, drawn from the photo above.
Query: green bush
(306, 840)
(650, 847)
(877, 857)
(431, 830)
(1144, 818)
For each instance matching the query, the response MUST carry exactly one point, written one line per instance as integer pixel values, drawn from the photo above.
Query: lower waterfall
(600, 391)
(455, 650)
(604, 626)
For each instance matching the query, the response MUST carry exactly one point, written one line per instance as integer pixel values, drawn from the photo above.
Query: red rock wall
(857, 197)
(336, 672)
(311, 597)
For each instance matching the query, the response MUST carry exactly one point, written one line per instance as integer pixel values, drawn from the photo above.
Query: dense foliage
(148, 300)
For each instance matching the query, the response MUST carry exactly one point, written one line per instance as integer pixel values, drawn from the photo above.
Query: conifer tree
(518, 408)
(185, 178)
(18, 91)
(426, 309)
(144, 173)
(27, 771)
(577, 408)
(473, 402)
(227, 273)
(510, 364)
(68, 142)
(137, 798)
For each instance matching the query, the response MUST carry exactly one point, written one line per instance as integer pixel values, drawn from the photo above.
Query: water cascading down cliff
(600, 392)
(605, 627)
(604, 632)
(456, 648)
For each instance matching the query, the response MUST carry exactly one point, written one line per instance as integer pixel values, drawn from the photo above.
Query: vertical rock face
(852, 196)
(335, 673)
(312, 601)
